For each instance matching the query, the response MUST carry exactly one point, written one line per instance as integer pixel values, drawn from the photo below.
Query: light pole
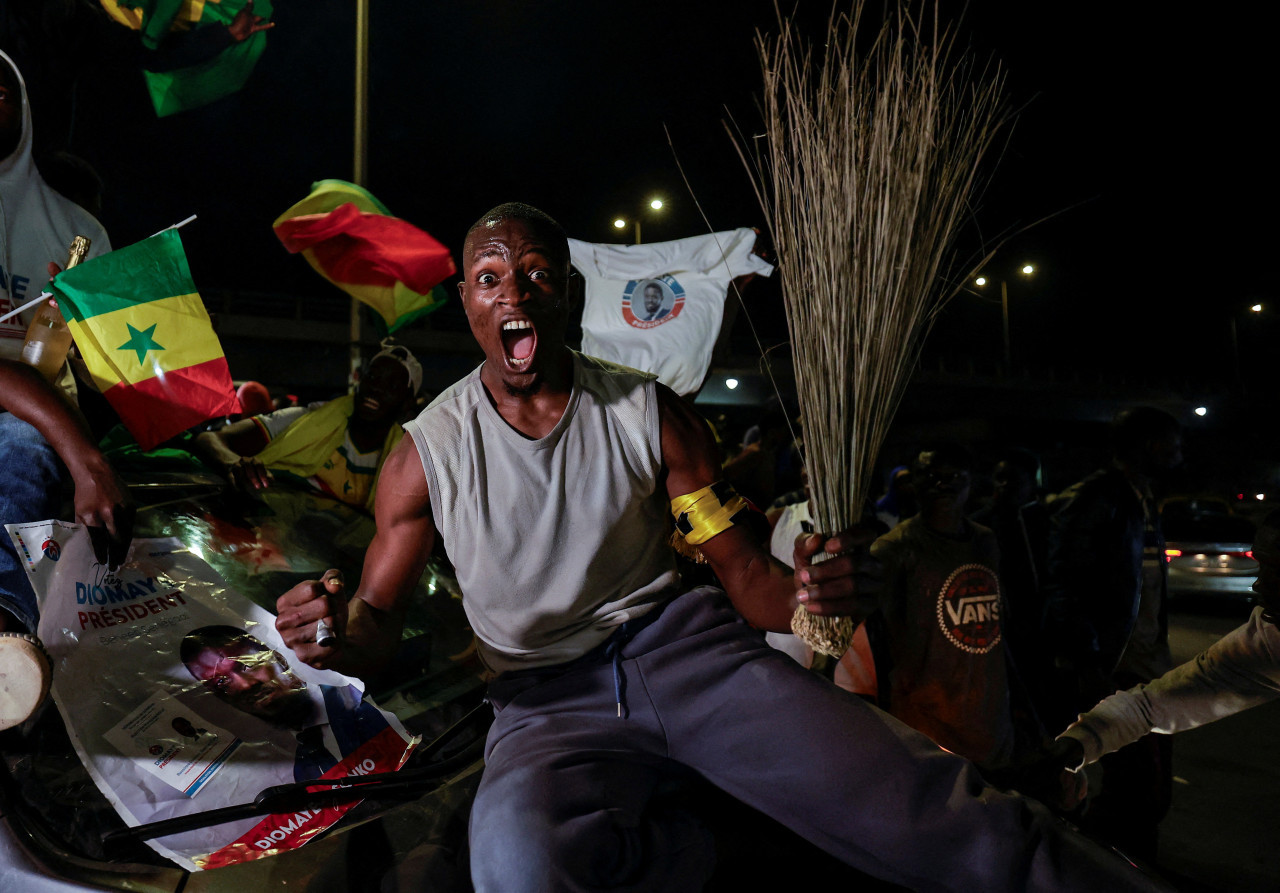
(1025, 270)
(621, 222)
(360, 159)
(1235, 346)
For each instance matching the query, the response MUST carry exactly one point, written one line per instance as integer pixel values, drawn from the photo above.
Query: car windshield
(262, 546)
(1192, 526)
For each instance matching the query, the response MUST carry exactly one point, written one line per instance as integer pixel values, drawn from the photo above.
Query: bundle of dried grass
(869, 165)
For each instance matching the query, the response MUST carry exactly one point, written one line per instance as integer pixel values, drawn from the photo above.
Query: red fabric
(369, 249)
(159, 408)
(385, 752)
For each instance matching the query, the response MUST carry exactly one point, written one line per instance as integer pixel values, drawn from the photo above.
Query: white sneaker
(25, 671)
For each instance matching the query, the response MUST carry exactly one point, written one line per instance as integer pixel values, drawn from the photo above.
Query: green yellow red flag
(352, 240)
(147, 339)
(191, 86)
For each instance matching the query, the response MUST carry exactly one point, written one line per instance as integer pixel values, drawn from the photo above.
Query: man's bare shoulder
(678, 417)
(402, 474)
(690, 454)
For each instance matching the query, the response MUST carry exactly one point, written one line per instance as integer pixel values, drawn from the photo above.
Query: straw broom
(869, 164)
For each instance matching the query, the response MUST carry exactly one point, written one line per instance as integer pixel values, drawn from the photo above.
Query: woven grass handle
(831, 636)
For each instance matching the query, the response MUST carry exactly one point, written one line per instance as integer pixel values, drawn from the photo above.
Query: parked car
(1208, 549)
(58, 833)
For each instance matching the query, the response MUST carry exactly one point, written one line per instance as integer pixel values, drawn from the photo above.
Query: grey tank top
(557, 541)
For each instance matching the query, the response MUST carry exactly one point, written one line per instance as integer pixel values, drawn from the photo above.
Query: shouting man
(548, 474)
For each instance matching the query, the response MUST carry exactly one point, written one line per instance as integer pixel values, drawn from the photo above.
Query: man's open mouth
(519, 340)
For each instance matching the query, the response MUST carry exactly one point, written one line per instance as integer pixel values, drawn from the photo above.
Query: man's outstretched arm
(102, 501)
(233, 449)
(370, 623)
(765, 591)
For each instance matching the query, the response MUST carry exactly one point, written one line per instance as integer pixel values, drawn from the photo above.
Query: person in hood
(37, 223)
(44, 441)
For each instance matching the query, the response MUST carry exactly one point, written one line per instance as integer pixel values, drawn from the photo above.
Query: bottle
(48, 338)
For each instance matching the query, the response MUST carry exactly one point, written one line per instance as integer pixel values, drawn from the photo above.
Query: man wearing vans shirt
(945, 667)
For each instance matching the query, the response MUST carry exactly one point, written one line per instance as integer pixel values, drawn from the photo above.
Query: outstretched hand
(246, 24)
(299, 611)
(248, 475)
(845, 584)
(1049, 776)
(103, 505)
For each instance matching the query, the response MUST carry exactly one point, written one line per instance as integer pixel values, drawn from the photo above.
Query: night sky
(1144, 137)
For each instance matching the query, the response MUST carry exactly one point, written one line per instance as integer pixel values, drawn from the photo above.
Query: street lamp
(1025, 270)
(1235, 345)
(655, 204)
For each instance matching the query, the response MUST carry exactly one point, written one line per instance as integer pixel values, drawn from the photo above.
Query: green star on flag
(158, 390)
(140, 341)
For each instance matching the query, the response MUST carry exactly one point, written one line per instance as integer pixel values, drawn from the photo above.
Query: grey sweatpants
(562, 803)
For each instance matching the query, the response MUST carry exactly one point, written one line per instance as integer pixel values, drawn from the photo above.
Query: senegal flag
(351, 239)
(147, 340)
(192, 86)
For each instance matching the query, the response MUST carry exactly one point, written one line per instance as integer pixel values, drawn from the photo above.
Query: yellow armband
(702, 514)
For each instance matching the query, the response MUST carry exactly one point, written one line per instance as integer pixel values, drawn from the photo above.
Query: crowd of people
(1000, 646)
(1003, 622)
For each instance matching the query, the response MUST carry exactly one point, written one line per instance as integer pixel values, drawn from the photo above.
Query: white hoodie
(37, 225)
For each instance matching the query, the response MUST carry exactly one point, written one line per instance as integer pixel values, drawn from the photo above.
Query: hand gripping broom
(869, 164)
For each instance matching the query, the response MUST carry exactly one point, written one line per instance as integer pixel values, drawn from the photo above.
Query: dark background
(1142, 137)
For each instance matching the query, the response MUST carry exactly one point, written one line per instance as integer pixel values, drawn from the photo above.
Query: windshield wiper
(316, 793)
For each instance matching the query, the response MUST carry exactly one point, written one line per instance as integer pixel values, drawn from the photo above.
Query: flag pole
(48, 294)
(359, 161)
(176, 225)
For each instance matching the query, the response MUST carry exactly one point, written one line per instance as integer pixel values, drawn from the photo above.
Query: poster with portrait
(657, 307)
(180, 697)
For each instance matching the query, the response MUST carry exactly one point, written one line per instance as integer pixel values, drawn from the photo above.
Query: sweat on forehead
(537, 221)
